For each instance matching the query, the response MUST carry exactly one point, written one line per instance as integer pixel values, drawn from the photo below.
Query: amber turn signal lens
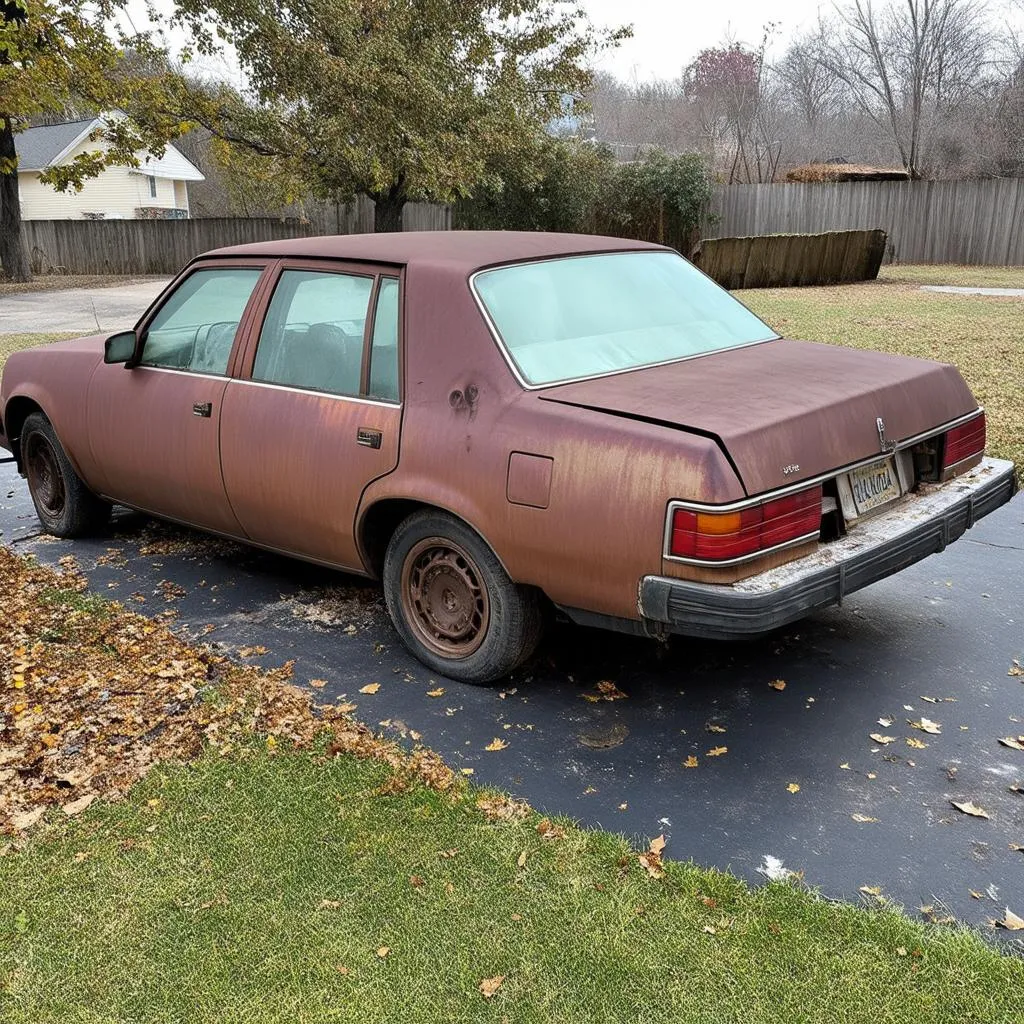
(716, 523)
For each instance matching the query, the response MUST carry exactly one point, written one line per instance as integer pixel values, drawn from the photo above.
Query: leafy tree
(396, 99)
(51, 51)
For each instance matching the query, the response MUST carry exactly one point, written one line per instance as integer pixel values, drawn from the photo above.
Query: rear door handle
(368, 437)
(202, 409)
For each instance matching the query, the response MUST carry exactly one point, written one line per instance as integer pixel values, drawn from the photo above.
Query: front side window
(312, 336)
(582, 316)
(195, 328)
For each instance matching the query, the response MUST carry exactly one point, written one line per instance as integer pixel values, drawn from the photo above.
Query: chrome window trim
(319, 394)
(184, 373)
(510, 359)
(782, 492)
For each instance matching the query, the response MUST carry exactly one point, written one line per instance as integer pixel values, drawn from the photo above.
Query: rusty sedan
(496, 424)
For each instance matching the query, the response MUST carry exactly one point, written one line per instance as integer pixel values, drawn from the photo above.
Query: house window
(152, 187)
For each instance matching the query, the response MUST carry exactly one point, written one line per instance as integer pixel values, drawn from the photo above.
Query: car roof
(456, 250)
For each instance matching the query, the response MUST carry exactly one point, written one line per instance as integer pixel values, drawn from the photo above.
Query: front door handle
(202, 409)
(368, 437)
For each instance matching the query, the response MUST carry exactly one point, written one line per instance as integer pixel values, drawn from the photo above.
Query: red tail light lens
(721, 536)
(963, 442)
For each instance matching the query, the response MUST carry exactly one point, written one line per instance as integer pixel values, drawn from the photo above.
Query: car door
(316, 413)
(153, 428)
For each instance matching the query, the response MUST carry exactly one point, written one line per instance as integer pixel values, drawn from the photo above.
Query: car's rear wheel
(65, 506)
(452, 602)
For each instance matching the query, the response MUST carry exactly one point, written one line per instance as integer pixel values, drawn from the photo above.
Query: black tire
(65, 506)
(453, 604)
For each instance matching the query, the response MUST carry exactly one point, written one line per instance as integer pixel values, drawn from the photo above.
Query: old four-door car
(497, 423)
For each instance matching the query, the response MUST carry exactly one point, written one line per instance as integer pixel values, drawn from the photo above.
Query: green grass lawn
(951, 273)
(982, 335)
(345, 882)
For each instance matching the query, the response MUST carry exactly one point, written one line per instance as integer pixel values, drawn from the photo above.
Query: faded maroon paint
(294, 478)
(786, 403)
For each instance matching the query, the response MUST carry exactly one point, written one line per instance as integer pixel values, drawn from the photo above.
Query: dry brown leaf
(885, 722)
(383, 951)
(1016, 669)
(975, 895)
(718, 751)
(346, 709)
(330, 904)
(778, 684)
(651, 860)
(926, 725)
(491, 985)
(863, 819)
(417, 881)
(913, 741)
(657, 845)
(521, 860)
(871, 890)
(793, 787)
(846, 766)
(710, 929)
(690, 762)
(1011, 922)
(970, 808)
(606, 690)
(438, 692)
(1014, 742)
(714, 727)
(502, 808)
(79, 805)
(883, 740)
(496, 744)
(369, 688)
(467, 771)
(26, 819)
(546, 829)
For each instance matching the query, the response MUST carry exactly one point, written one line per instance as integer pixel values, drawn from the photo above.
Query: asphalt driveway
(89, 310)
(936, 643)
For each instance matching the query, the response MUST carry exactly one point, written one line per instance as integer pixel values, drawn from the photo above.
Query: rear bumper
(921, 525)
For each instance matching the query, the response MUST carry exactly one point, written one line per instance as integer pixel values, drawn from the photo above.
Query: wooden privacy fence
(779, 261)
(926, 221)
(165, 246)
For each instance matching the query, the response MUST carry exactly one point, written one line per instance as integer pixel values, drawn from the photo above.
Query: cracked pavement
(948, 629)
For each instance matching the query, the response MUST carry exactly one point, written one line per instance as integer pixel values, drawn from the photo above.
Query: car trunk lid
(784, 411)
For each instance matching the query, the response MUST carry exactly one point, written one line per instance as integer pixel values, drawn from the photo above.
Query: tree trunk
(13, 258)
(388, 208)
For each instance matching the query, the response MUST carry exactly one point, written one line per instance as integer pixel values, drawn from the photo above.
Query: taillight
(963, 442)
(722, 536)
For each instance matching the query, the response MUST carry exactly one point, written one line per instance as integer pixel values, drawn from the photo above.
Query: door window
(195, 328)
(312, 336)
(384, 347)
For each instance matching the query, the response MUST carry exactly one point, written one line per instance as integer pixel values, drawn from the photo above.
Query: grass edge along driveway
(298, 869)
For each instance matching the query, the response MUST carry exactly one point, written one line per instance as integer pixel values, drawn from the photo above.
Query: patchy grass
(951, 273)
(308, 873)
(981, 335)
(15, 342)
(58, 282)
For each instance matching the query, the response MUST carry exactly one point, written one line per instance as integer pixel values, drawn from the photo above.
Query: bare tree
(908, 65)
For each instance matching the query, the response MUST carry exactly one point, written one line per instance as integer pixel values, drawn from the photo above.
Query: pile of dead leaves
(93, 695)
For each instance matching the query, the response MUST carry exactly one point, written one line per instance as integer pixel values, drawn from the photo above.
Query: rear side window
(384, 346)
(312, 336)
(196, 327)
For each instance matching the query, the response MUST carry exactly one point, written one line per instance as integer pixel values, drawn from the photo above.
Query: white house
(157, 188)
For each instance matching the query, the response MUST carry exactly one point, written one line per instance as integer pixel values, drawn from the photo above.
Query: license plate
(874, 485)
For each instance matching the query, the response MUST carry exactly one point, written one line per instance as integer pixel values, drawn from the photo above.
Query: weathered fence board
(164, 246)
(974, 222)
(780, 261)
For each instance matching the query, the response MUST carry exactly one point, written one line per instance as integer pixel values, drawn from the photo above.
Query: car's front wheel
(65, 506)
(452, 602)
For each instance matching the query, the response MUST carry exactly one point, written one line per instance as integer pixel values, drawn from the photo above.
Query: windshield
(586, 315)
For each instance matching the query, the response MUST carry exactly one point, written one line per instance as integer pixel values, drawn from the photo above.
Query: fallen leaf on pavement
(975, 895)
(1014, 742)
(846, 766)
(879, 738)
(1011, 922)
(369, 688)
(347, 708)
(885, 722)
(79, 805)
(718, 751)
(606, 690)
(439, 692)
(872, 890)
(913, 741)
(1016, 669)
(496, 744)
(969, 808)
(491, 985)
(690, 762)
(1017, 847)
(778, 684)
(863, 819)
(926, 725)
(793, 787)
(714, 727)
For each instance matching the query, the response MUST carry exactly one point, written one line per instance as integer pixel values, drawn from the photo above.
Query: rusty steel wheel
(45, 480)
(65, 506)
(452, 602)
(444, 598)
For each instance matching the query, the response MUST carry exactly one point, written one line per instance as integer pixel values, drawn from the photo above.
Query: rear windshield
(587, 315)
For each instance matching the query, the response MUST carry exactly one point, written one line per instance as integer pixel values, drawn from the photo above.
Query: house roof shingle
(38, 147)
